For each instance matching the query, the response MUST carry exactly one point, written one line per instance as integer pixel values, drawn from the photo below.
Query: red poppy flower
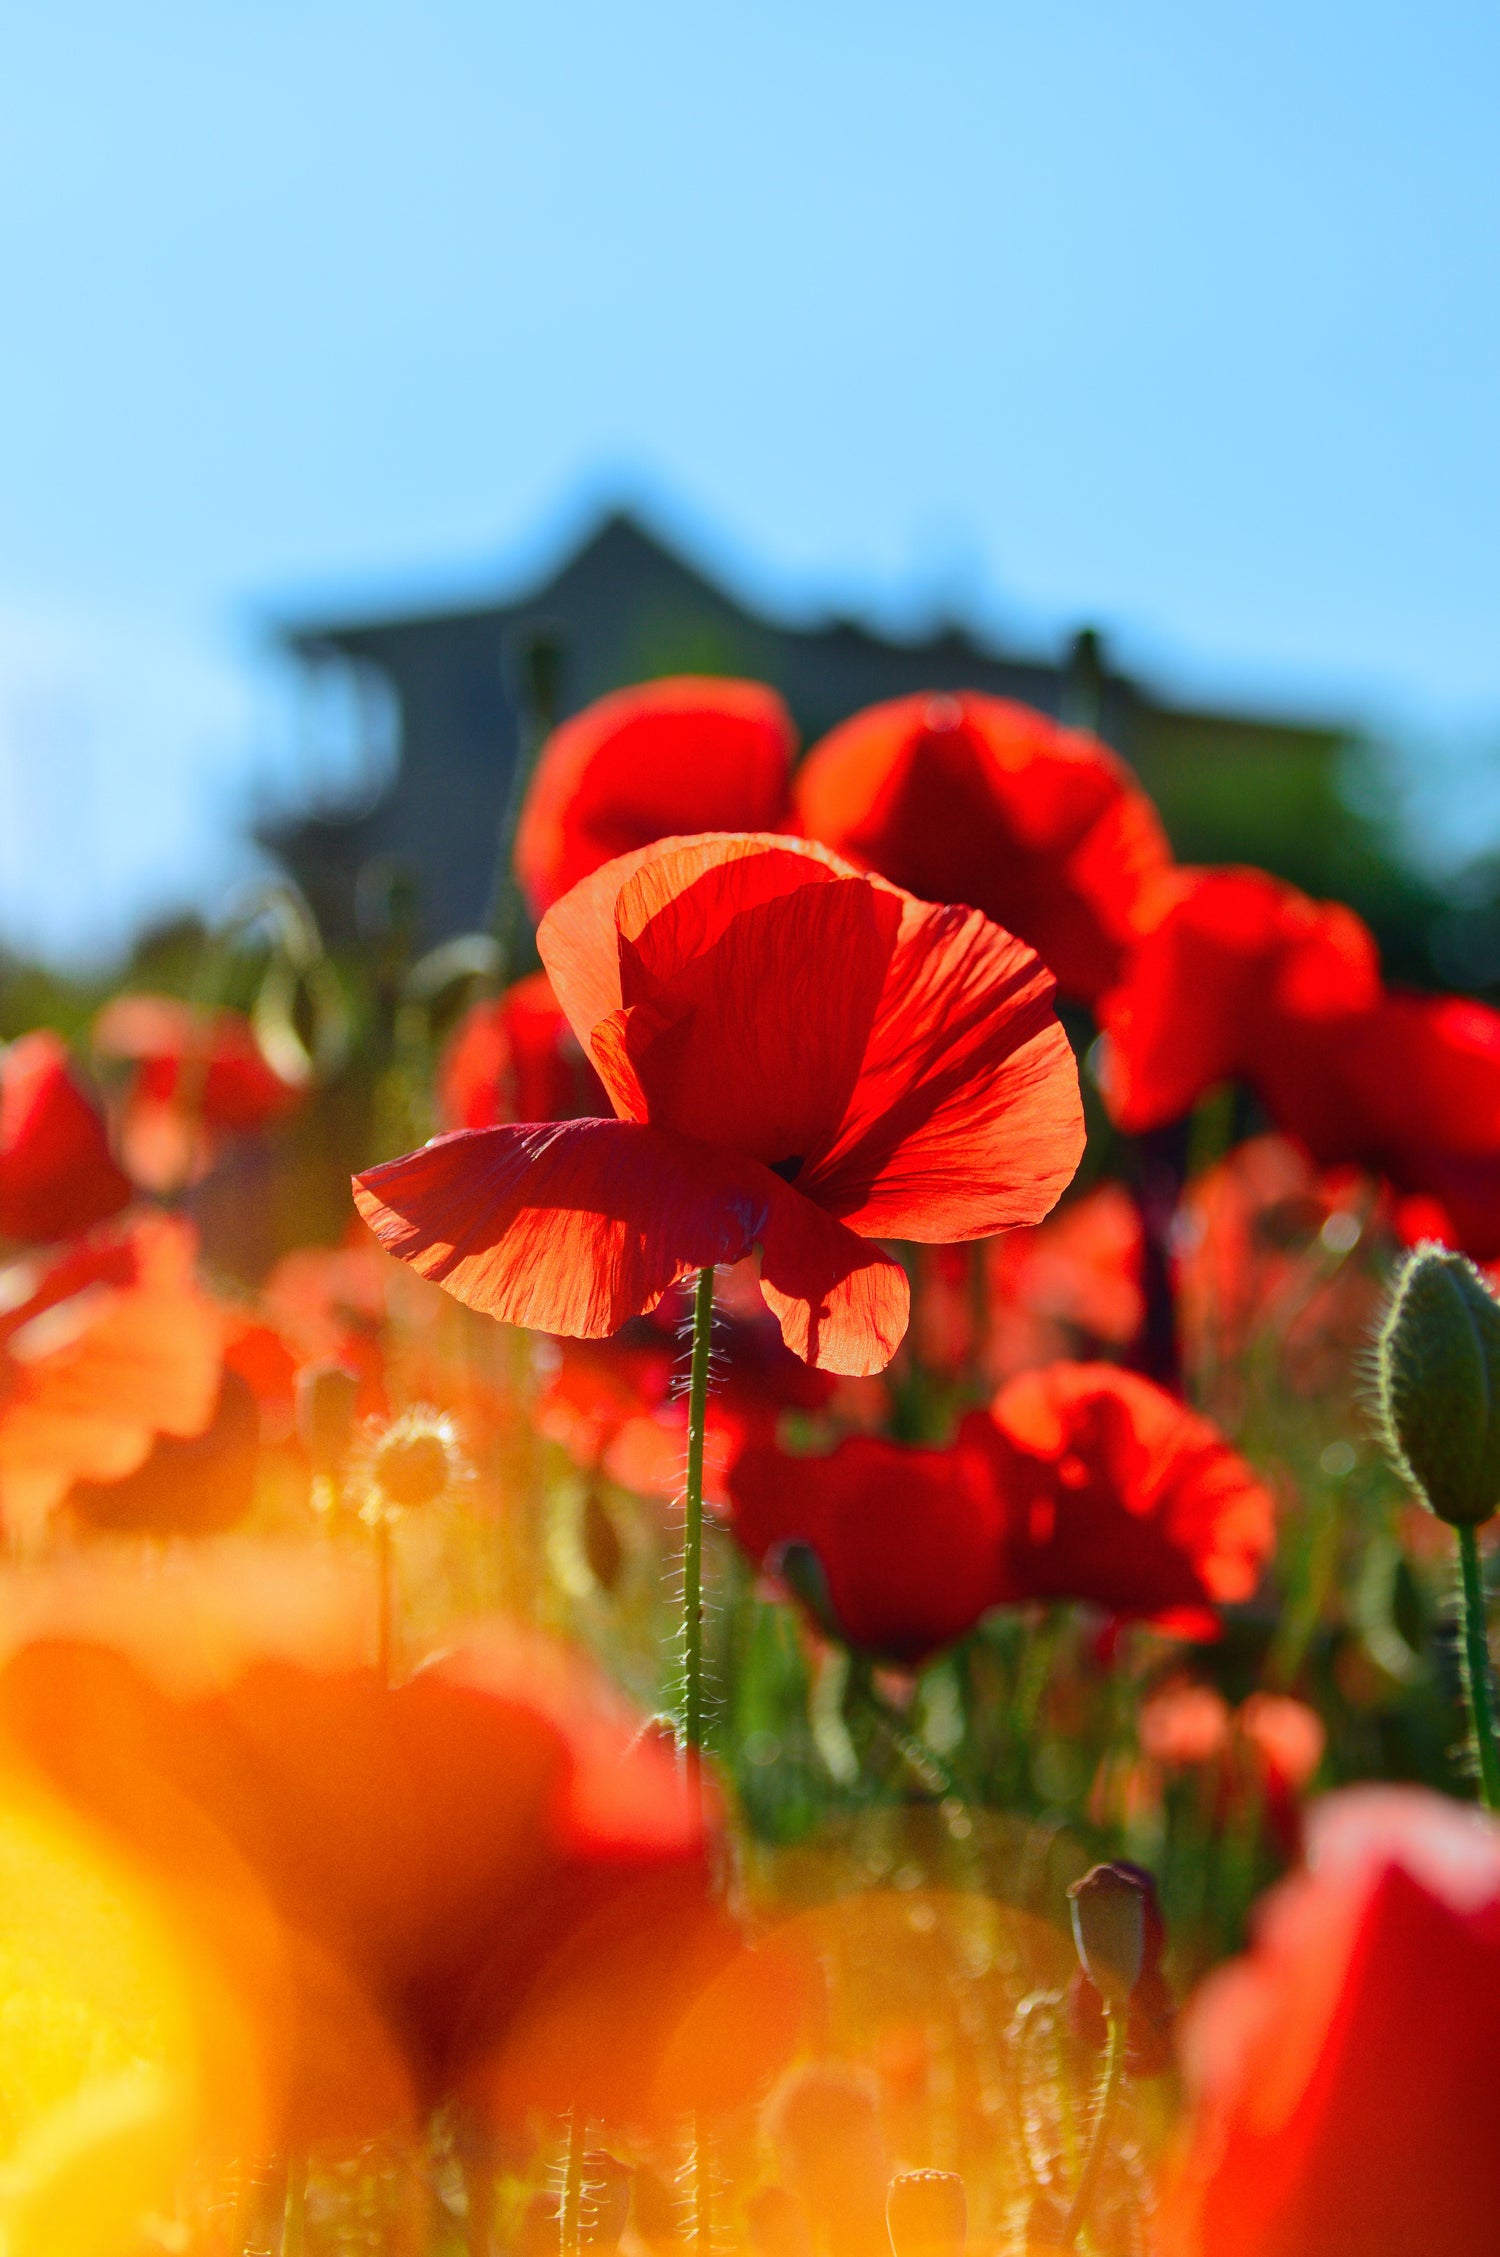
(208, 1063)
(665, 760)
(515, 1058)
(1116, 1493)
(1238, 981)
(908, 1540)
(102, 1349)
(57, 1173)
(971, 798)
(800, 1058)
(1342, 2074)
(419, 1886)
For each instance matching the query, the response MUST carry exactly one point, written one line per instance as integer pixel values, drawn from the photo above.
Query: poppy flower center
(788, 1170)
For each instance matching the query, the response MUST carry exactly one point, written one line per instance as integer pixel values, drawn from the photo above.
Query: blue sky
(1181, 318)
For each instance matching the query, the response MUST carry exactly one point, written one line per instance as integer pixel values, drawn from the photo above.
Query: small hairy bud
(1438, 1383)
(1111, 1907)
(927, 2214)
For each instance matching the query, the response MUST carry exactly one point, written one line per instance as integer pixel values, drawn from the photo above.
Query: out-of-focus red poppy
(1245, 979)
(1116, 1493)
(926, 1091)
(687, 754)
(102, 1348)
(1237, 981)
(515, 1058)
(198, 1076)
(57, 1173)
(975, 799)
(908, 1540)
(330, 1305)
(1258, 1249)
(422, 1884)
(1342, 2075)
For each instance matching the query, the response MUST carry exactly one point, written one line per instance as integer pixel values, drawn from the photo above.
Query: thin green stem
(1476, 1659)
(570, 2209)
(691, 1733)
(1117, 2022)
(933, 1771)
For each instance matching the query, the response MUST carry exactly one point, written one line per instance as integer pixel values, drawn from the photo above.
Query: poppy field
(789, 1557)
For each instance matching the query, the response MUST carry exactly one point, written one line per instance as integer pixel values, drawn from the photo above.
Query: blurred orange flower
(103, 1347)
(479, 1879)
(198, 1076)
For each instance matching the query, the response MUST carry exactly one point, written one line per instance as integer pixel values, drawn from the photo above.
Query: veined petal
(840, 1302)
(755, 1040)
(570, 1227)
(966, 1118)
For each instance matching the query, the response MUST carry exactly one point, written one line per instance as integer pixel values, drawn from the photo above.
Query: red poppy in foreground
(57, 1173)
(1343, 2073)
(419, 1889)
(514, 1057)
(1116, 1493)
(800, 1058)
(907, 1540)
(972, 798)
(671, 758)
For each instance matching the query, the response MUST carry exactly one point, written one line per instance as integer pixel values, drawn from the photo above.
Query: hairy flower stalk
(1114, 2064)
(691, 1724)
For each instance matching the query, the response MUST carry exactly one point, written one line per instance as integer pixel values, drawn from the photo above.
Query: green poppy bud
(1438, 1379)
(1109, 1907)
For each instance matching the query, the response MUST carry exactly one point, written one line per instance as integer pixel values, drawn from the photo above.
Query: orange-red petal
(840, 1302)
(571, 1227)
(966, 1118)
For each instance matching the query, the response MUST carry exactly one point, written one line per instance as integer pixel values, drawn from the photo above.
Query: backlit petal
(571, 1227)
(840, 1302)
(966, 1118)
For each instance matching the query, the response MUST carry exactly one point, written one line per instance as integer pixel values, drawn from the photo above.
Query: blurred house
(442, 704)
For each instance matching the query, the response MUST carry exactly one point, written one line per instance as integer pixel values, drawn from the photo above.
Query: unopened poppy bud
(1110, 1912)
(1438, 1380)
(413, 1461)
(326, 1397)
(927, 2214)
(800, 1569)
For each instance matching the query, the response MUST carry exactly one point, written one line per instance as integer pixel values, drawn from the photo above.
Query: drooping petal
(966, 1118)
(665, 759)
(570, 1228)
(840, 1302)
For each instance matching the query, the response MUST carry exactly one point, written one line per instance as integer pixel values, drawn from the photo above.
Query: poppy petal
(841, 1303)
(569, 1227)
(747, 1041)
(966, 1118)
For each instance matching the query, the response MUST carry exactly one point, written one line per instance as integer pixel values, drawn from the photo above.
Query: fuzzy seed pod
(1438, 1384)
